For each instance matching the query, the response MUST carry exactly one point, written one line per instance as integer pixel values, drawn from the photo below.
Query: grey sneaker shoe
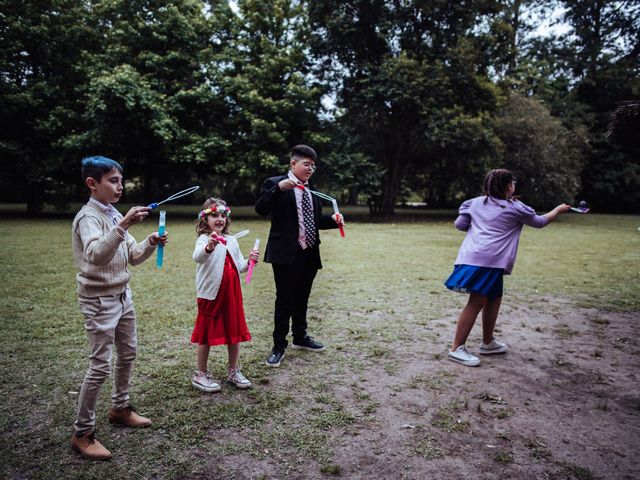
(203, 381)
(461, 355)
(236, 378)
(493, 347)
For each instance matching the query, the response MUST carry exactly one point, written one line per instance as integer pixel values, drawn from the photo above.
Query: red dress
(221, 321)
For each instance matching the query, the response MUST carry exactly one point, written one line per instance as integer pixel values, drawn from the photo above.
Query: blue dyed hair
(96, 167)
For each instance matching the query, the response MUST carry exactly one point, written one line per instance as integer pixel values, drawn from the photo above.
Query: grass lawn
(379, 284)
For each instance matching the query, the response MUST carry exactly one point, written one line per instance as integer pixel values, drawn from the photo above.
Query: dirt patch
(563, 403)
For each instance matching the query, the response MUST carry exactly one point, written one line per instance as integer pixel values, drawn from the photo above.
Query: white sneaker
(493, 347)
(203, 381)
(236, 378)
(461, 355)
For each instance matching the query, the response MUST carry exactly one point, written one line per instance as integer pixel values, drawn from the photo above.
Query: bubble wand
(162, 221)
(161, 225)
(175, 196)
(583, 207)
(252, 262)
(334, 203)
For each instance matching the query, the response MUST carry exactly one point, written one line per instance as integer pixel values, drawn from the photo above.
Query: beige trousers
(109, 321)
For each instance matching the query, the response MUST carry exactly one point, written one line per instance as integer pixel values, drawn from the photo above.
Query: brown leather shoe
(88, 446)
(128, 416)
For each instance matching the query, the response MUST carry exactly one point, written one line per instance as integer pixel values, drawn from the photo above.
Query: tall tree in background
(147, 100)
(540, 150)
(263, 71)
(38, 80)
(605, 49)
(413, 83)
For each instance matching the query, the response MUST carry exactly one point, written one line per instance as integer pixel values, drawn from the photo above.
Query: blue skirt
(484, 281)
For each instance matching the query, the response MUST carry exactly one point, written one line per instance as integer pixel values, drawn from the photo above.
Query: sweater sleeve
(528, 216)
(99, 248)
(463, 222)
(138, 252)
(199, 254)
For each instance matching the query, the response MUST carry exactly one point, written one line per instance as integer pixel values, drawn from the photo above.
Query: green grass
(378, 283)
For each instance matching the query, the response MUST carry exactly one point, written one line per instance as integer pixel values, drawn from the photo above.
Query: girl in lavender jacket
(493, 223)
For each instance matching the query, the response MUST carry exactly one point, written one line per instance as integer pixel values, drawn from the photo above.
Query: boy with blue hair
(102, 247)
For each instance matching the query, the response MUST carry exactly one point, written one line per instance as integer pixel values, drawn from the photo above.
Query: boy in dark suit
(293, 248)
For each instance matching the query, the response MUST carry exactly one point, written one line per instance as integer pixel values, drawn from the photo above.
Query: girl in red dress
(220, 319)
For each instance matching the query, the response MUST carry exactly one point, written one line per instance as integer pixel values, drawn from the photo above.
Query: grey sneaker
(236, 378)
(461, 355)
(493, 347)
(203, 381)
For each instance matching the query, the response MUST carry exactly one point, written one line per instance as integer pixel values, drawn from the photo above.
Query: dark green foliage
(400, 99)
(545, 155)
(412, 86)
(38, 78)
(147, 101)
(262, 68)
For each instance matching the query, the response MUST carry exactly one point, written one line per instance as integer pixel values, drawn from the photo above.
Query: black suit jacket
(283, 245)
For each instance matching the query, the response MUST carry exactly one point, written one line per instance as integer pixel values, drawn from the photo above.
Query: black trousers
(293, 287)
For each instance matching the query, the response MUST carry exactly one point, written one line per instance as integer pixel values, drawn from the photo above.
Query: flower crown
(218, 208)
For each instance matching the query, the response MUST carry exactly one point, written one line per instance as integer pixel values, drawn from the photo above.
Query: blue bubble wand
(161, 225)
(163, 216)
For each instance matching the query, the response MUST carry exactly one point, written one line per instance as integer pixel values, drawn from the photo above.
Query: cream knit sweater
(101, 253)
(210, 266)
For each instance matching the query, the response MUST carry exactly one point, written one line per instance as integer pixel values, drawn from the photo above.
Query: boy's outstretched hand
(287, 184)
(133, 216)
(155, 238)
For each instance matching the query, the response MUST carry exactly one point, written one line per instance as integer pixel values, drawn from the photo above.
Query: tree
(39, 76)
(606, 56)
(545, 156)
(262, 68)
(148, 102)
(412, 80)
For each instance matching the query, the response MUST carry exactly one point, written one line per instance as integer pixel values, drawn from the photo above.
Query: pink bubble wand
(252, 262)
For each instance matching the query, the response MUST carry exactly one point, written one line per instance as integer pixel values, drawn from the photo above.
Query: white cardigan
(211, 265)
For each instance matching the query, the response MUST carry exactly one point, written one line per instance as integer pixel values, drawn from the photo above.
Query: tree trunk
(353, 195)
(34, 196)
(513, 37)
(391, 182)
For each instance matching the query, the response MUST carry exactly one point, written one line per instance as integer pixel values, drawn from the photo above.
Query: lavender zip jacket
(493, 231)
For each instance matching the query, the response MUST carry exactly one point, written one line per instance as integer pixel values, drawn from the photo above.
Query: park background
(408, 103)
(405, 101)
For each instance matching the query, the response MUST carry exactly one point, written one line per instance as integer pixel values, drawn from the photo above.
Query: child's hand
(254, 255)
(563, 208)
(211, 244)
(133, 216)
(338, 218)
(286, 184)
(156, 238)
